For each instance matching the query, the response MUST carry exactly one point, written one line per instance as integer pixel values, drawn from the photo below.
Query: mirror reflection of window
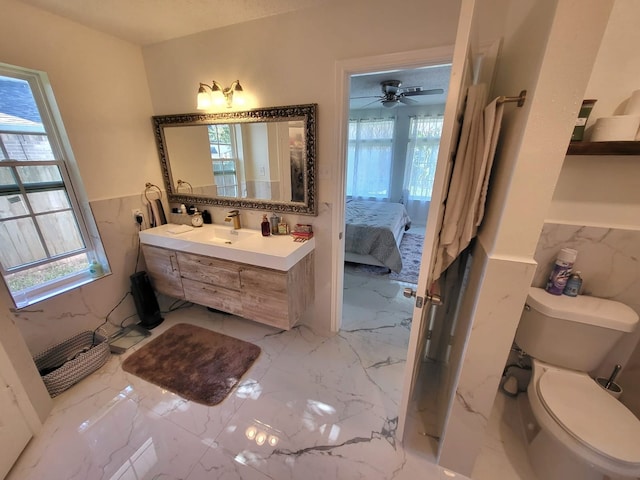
(224, 159)
(260, 157)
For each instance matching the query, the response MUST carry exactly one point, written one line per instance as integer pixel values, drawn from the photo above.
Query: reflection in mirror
(262, 159)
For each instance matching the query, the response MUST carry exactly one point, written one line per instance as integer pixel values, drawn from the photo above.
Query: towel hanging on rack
(157, 214)
(154, 205)
(464, 206)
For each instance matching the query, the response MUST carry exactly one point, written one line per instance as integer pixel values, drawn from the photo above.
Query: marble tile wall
(609, 261)
(56, 319)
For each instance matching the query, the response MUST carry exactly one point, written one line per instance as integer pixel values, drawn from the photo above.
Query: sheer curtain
(369, 158)
(420, 168)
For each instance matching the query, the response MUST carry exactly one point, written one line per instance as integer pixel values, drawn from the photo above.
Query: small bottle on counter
(574, 284)
(265, 226)
(561, 271)
(283, 228)
(274, 221)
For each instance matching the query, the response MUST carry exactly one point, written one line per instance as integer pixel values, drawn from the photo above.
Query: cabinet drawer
(270, 309)
(212, 296)
(257, 279)
(209, 270)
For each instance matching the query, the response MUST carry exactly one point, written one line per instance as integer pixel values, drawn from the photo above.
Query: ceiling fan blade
(430, 91)
(367, 96)
(407, 101)
(370, 103)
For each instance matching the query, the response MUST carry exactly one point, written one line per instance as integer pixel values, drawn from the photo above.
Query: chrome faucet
(234, 216)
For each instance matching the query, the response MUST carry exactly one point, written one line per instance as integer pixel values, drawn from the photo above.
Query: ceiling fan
(393, 94)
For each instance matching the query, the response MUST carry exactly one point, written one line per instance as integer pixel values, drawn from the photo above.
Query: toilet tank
(572, 332)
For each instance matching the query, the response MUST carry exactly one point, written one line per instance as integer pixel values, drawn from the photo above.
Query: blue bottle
(574, 284)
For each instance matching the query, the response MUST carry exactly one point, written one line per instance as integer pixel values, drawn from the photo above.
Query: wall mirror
(261, 159)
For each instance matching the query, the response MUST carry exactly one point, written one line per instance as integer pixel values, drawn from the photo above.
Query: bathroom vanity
(265, 279)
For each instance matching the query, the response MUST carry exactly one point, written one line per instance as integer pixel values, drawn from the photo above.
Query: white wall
(603, 190)
(291, 59)
(101, 90)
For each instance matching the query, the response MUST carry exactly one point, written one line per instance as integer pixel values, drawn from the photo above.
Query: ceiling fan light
(389, 103)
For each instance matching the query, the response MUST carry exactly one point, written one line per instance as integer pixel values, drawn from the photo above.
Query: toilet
(583, 431)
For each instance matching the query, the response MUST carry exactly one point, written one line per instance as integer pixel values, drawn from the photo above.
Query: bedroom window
(224, 159)
(422, 156)
(369, 158)
(44, 229)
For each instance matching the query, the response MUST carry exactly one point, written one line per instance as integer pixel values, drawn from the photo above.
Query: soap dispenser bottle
(265, 226)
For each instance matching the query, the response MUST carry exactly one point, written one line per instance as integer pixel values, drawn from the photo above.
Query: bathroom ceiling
(428, 78)
(145, 22)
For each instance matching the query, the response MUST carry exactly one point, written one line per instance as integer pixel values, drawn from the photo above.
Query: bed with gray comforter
(374, 231)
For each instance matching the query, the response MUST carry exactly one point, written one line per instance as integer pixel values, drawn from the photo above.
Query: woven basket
(78, 357)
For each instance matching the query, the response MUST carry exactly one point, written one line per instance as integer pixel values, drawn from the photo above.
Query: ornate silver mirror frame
(299, 113)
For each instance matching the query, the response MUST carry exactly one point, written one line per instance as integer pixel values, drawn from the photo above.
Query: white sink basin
(245, 245)
(227, 235)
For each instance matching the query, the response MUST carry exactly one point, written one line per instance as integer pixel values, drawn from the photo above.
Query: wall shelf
(604, 148)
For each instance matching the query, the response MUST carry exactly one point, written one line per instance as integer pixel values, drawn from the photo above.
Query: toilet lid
(591, 415)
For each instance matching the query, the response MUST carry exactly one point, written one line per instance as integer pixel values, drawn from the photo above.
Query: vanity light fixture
(215, 95)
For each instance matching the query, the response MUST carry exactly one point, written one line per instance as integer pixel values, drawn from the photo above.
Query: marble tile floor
(311, 407)
(503, 454)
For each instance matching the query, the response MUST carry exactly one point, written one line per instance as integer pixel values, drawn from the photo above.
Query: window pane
(225, 151)
(422, 156)
(39, 174)
(6, 177)
(60, 232)
(12, 206)
(49, 201)
(38, 220)
(20, 243)
(369, 158)
(53, 271)
(27, 147)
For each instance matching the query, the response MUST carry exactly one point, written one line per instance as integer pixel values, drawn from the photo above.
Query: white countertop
(279, 252)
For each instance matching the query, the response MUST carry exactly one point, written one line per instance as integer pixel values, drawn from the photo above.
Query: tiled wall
(53, 320)
(609, 262)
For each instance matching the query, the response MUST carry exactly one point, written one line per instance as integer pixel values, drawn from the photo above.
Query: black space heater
(145, 300)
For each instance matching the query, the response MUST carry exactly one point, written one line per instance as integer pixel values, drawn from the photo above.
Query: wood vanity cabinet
(162, 267)
(273, 297)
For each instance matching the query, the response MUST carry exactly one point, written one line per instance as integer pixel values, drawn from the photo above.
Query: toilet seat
(591, 416)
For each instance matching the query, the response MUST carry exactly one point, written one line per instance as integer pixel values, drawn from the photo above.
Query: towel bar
(519, 99)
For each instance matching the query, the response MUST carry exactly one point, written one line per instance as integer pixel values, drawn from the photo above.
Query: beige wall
(101, 90)
(291, 59)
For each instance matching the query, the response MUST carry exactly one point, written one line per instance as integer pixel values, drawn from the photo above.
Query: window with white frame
(370, 158)
(224, 159)
(46, 247)
(422, 157)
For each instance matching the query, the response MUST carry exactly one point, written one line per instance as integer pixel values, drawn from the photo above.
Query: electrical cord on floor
(178, 305)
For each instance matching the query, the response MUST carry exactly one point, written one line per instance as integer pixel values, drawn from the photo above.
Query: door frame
(344, 70)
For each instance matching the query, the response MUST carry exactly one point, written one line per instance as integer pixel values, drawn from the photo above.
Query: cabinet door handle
(173, 268)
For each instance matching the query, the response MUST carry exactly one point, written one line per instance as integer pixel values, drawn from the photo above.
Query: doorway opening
(391, 138)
